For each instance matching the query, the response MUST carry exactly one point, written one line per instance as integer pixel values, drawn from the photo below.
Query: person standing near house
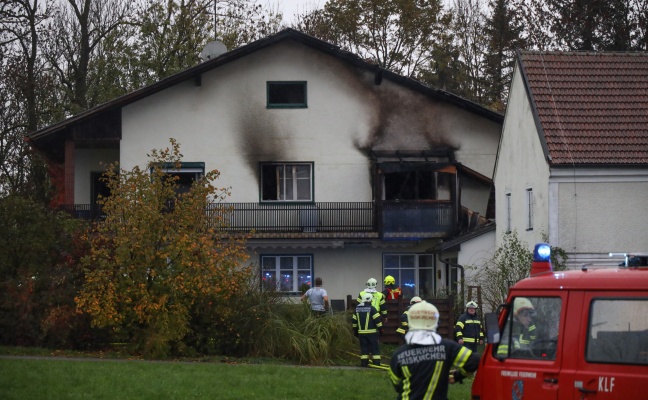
(367, 326)
(378, 298)
(421, 368)
(469, 330)
(404, 326)
(391, 291)
(317, 297)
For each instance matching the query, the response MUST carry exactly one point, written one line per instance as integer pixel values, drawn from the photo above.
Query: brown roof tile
(593, 106)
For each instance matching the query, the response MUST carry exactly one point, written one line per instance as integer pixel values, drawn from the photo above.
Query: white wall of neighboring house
(521, 166)
(595, 212)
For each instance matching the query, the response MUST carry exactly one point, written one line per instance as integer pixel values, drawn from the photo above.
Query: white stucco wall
(346, 270)
(520, 166)
(601, 211)
(225, 123)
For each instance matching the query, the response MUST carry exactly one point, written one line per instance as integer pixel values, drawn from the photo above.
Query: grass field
(37, 378)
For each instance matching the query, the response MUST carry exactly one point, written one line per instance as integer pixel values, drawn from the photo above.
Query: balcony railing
(291, 217)
(391, 219)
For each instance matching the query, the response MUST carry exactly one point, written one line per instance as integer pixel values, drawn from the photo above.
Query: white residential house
(346, 171)
(572, 165)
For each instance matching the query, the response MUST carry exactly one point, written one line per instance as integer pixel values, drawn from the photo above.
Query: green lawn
(61, 378)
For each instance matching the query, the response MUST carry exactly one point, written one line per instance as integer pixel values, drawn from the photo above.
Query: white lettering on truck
(521, 374)
(606, 383)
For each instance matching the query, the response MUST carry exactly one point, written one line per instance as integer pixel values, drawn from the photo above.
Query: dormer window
(286, 94)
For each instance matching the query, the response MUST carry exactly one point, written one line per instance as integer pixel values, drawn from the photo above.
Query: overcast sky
(292, 7)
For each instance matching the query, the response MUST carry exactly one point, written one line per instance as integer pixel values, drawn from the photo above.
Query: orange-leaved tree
(158, 252)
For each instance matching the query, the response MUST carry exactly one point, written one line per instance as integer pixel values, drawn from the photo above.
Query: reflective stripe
(434, 381)
(461, 359)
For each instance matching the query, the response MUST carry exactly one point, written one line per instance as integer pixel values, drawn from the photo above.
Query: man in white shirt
(318, 298)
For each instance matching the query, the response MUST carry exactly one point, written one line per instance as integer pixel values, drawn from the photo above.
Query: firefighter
(524, 329)
(468, 329)
(378, 298)
(402, 329)
(367, 325)
(421, 368)
(391, 292)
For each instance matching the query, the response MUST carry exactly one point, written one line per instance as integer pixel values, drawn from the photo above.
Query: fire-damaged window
(286, 273)
(286, 94)
(416, 184)
(287, 182)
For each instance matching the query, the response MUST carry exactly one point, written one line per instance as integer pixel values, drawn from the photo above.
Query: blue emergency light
(542, 252)
(541, 259)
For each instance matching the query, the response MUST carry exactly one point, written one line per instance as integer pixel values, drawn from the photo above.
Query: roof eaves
(534, 108)
(239, 52)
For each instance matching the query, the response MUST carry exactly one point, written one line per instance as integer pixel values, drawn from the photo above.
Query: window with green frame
(286, 94)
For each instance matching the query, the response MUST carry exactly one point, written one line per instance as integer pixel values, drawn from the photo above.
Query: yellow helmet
(522, 303)
(389, 280)
(423, 316)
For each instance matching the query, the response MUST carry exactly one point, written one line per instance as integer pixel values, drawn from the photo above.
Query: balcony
(387, 219)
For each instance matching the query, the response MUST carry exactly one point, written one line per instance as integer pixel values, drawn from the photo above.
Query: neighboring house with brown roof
(573, 158)
(344, 170)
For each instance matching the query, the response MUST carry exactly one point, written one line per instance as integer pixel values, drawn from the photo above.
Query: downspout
(458, 266)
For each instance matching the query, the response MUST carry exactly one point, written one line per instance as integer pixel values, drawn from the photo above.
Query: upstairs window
(287, 182)
(529, 207)
(187, 174)
(286, 94)
(508, 212)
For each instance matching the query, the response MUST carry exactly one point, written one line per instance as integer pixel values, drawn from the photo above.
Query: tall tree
(27, 90)
(399, 35)
(78, 29)
(238, 22)
(171, 36)
(503, 32)
(468, 25)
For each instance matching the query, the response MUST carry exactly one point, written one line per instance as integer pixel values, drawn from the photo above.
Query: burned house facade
(342, 169)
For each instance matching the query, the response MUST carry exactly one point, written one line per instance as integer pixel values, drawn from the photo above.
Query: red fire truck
(580, 334)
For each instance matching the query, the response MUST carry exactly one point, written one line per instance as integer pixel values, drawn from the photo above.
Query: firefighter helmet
(472, 304)
(366, 298)
(371, 283)
(389, 280)
(415, 300)
(423, 316)
(520, 304)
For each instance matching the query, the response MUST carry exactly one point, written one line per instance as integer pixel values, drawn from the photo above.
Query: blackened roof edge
(289, 33)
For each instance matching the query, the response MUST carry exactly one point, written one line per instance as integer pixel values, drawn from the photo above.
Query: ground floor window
(414, 273)
(286, 273)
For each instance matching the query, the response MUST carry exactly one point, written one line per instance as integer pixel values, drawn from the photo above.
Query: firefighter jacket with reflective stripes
(366, 319)
(404, 327)
(422, 371)
(378, 301)
(521, 336)
(469, 328)
(392, 293)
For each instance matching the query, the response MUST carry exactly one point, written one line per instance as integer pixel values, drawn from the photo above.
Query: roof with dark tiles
(592, 107)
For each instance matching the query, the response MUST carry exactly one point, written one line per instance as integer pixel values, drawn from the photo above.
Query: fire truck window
(531, 330)
(618, 332)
